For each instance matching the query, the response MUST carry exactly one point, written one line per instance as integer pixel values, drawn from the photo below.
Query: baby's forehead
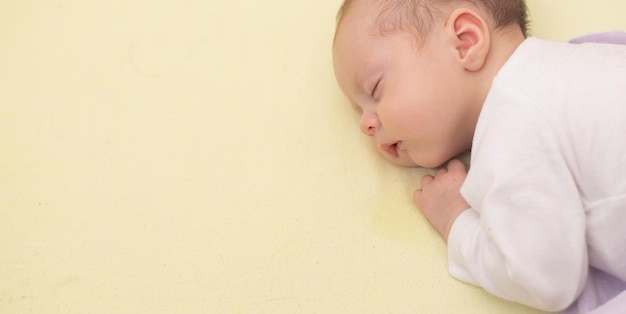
(353, 33)
(357, 19)
(383, 17)
(360, 10)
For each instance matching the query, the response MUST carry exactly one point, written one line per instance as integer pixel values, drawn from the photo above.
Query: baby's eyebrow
(365, 76)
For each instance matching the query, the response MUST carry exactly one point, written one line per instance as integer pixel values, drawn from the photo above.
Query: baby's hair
(417, 16)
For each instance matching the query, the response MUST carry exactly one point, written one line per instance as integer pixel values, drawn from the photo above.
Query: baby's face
(411, 99)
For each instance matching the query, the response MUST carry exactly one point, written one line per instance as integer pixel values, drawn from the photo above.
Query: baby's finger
(441, 171)
(417, 198)
(456, 165)
(426, 180)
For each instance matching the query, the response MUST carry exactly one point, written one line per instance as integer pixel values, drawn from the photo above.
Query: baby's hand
(439, 197)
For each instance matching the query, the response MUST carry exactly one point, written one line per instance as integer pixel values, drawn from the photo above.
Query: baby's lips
(390, 149)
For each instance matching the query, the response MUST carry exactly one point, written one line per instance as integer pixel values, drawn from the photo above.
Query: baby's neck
(503, 45)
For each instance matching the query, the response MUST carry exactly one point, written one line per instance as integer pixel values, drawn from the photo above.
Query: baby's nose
(369, 123)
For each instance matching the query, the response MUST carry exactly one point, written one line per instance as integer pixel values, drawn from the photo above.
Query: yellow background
(197, 157)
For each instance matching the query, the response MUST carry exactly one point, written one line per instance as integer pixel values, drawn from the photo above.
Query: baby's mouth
(391, 149)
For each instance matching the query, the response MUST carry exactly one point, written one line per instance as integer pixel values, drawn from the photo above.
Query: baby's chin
(406, 160)
(402, 161)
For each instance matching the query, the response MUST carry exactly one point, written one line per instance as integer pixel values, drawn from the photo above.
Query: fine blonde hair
(417, 16)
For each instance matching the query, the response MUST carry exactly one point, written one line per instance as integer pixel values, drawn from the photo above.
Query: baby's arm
(524, 237)
(439, 197)
(503, 266)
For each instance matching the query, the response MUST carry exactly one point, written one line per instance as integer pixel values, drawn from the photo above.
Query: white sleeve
(533, 253)
(524, 239)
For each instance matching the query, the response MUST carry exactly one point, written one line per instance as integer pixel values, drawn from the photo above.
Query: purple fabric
(603, 293)
(613, 37)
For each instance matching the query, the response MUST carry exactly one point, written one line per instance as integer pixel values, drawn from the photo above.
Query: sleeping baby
(544, 203)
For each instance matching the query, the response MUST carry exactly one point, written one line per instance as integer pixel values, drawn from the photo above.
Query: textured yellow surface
(564, 19)
(197, 157)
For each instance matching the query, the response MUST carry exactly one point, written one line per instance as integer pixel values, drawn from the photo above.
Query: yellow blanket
(197, 157)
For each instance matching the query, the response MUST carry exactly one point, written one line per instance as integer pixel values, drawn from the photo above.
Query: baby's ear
(471, 38)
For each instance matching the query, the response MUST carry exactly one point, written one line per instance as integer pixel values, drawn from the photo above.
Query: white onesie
(547, 183)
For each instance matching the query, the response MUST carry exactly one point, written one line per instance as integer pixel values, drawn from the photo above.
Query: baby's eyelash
(374, 89)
